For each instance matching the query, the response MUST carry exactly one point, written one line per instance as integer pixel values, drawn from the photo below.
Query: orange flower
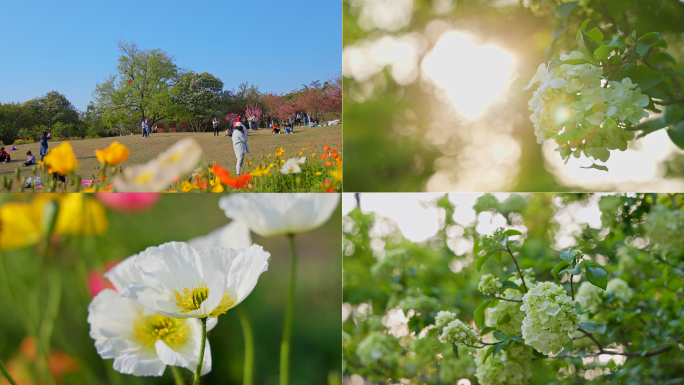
(328, 187)
(327, 164)
(324, 156)
(227, 179)
(201, 184)
(310, 143)
(326, 148)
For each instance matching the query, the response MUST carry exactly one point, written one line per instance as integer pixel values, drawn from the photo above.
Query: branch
(590, 335)
(508, 249)
(635, 354)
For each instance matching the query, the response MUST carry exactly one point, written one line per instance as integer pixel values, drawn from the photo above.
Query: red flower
(201, 184)
(227, 179)
(310, 143)
(129, 80)
(327, 148)
(328, 187)
(327, 164)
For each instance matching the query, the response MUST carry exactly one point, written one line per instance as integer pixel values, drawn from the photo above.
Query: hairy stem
(177, 376)
(289, 312)
(198, 372)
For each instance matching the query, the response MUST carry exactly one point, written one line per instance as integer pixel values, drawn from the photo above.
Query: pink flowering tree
(254, 111)
(232, 118)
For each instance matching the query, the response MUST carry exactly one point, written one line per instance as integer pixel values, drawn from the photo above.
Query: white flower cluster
(375, 347)
(664, 227)
(489, 284)
(459, 333)
(510, 308)
(510, 367)
(419, 302)
(620, 289)
(444, 318)
(550, 316)
(582, 111)
(590, 296)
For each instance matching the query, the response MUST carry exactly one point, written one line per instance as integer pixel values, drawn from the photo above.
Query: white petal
(121, 275)
(558, 83)
(280, 214)
(169, 356)
(234, 235)
(111, 320)
(612, 110)
(138, 366)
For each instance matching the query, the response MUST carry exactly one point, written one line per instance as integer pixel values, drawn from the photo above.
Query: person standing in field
(240, 145)
(44, 137)
(215, 123)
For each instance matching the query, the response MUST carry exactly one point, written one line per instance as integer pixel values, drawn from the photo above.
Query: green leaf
(504, 320)
(489, 352)
(454, 348)
(673, 114)
(618, 42)
(575, 270)
(515, 338)
(482, 260)
(603, 52)
(566, 9)
(589, 326)
(477, 247)
(597, 276)
(500, 336)
(569, 345)
(578, 307)
(498, 348)
(497, 256)
(556, 270)
(614, 59)
(661, 57)
(568, 255)
(598, 167)
(511, 232)
(651, 39)
(479, 313)
(641, 75)
(486, 330)
(508, 285)
(596, 35)
(676, 134)
(650, 126)
(574, 62)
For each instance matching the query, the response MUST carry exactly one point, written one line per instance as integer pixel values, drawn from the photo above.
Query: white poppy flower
(157, 174)
(177, 281)
(234, 235)
(291, 166)
(282, 213)
(140, 342)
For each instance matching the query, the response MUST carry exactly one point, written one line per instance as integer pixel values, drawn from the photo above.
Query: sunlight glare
(472, 75)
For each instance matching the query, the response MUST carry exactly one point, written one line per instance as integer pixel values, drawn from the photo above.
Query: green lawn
(216, 149)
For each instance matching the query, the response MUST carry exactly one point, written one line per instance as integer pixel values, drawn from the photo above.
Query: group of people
(146, 127)
(289, 129)
(5, 157)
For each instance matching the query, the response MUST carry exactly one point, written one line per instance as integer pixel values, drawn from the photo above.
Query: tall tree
(141, 87)
(199, 95)
(51, 108)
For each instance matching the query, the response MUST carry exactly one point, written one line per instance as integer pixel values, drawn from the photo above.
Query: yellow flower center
(144, 177)
(158, 327)
(192, 298)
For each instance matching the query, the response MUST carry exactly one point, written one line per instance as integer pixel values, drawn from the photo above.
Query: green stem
(289, 310)
(248, 371)
(198, 372)
(4, 371)
(177, 376)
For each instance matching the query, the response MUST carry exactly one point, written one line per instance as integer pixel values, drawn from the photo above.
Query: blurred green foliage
(379, 158)
(315, 354)
(385, 274)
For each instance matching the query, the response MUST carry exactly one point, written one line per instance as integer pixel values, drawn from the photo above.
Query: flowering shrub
(607, 310)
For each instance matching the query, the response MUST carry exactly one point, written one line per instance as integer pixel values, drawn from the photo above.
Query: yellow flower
(301, 153)
(20, 224)
(260, 171)
(187, 186)
(337, 174)
(61, 159)
(81, 214)
(217, 187)
(249, 163)
(282, 161)
(318, 173)
(313, 154)
(304, 149)
(114, 154)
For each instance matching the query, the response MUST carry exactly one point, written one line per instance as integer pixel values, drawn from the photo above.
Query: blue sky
(69, 46)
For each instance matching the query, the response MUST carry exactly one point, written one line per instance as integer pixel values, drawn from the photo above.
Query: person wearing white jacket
(240, 145)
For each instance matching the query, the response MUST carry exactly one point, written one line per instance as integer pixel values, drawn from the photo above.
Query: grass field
(216, 149)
